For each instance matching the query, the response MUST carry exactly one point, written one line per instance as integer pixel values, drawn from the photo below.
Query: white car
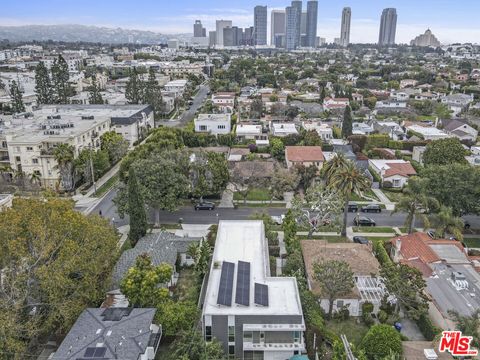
(278, 219)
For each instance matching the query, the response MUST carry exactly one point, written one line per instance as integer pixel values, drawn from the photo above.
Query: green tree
(16, 96)
(136, 209)
(200, 253)
(380, 341)
(335, 279)
(53, 267)
(348, 180)
(444, 152)
(141, 282)
(43, 84)
(307, 175)
(64, 156)
(176, 316)
(416, 203)
(447, 223)
(311, 138)
(442, 111)
(468, 325)
(190, 345)
(134, 88)
(60, 81)
(283, 180)
(256, 109)
(152, 94)
(115, 145)
(330, 167)
(408, 286)
(347, 123)
(290, 227)
(94, 96)
(277, 148)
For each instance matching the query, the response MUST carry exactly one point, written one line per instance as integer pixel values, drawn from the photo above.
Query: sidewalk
(109, 174)
(384, 199)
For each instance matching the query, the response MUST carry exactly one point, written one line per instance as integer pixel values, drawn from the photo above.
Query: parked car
(371, 208)
(466, 225)
(352, 207)
(364, 221)
(205, 205)
(278, 220)
(360, 240)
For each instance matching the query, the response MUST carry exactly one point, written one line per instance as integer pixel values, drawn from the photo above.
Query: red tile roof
(415, 246)
(405, 169)
(304, 153)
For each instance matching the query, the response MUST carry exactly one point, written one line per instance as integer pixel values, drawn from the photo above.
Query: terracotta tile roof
(415, 246)
(419, 265)
(405, 169)
(304, 153)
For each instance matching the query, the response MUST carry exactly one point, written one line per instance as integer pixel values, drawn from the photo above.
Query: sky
(451, 21)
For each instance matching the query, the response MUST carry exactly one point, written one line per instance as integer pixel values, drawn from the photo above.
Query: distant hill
(74, 33)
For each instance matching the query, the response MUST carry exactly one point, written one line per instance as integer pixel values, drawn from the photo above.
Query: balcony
(274, 327)
(273, 346)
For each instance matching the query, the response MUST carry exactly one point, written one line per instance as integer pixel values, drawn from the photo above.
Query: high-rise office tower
(220, 25)
(277, 30)
(248, 36)
(198, 29)
(291, 24)
(212, 38)
(345, 31)
(312, 14)
(298, 31)
(260, 25)
(388, 27)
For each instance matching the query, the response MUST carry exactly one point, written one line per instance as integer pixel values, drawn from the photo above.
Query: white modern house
(323, 130)
(283, 129)
(214, 124)
(253, 314)
(429, 132)
(250, 132)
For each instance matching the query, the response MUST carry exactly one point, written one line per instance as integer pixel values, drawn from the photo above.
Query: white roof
(286, 128)
(383, 164)
(239, 240)
(427, 130)
(248, 129)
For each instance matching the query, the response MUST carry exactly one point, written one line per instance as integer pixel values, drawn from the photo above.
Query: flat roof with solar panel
(225, 287)
(242, 292)
(241, 257)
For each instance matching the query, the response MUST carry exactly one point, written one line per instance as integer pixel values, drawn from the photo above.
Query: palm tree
(347, 180)
(445, 222)
(415, 203)
(64, 155)
(337, 162)
(6, 172)
(34, 178)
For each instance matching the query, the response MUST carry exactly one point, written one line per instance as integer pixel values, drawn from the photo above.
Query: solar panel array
(242, 294)
(95, 352)
(261, 294)
(226, 284)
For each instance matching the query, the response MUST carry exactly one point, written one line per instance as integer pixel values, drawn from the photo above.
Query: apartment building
(254, 315)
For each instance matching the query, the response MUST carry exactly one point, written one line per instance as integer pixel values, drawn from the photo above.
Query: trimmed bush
(428, 330)
(380, 341)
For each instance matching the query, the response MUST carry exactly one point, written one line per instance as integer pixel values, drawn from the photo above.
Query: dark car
(466, 225)
(352, 207)
(363, 221)
(371, 208)
(360, 240)
(205, 205)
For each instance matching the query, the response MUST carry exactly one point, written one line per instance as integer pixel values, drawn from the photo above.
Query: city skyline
(450, 23)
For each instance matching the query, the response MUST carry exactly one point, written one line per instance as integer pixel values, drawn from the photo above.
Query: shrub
(367, 307)
(381, 253)
(382, 316)
(380, 341)
(368, 319)
(428, 330)
(274, 251)
(387, 184)
(342, 314)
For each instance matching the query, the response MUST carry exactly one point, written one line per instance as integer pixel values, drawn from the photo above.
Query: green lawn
(394, 196)
(262, 205)
(330, 239)
(379, 238)
(472, 242)
(373, 229)
(353, 331)
(254, 194)
(107, 186)
(404, 230)
(370, 194)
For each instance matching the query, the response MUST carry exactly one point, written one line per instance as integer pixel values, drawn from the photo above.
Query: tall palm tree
(347, 180)
(337, 162)
(64, 155)
(34, 178)
(447, 223)
(416, 203)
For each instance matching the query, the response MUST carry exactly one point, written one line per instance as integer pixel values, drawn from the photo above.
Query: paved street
(190, 216)
(189, 114)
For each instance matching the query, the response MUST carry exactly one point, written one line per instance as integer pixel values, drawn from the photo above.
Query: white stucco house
(214, 124)
(396, 172)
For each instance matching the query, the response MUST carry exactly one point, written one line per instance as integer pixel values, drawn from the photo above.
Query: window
(262, 336)
(203, 127)
(231, 351)
(34, 161)
(296, 336)
(247, 336)
(396, 183)
(231, 333)
(339, 304)
(17, 158)
(208, 333)
(221, 127)
(29, 148)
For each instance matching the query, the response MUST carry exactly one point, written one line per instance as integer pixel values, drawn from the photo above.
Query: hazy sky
(450, 21)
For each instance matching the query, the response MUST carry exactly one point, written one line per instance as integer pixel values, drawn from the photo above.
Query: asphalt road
(190, 216)
(189, 114)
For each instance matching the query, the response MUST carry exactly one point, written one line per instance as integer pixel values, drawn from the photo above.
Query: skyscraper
(198, 29)
(291, 24)
(260, 25)
(345, 31)
(298, 33)
(312, 14)
(220, 25)
(277, 30)
(388, 27)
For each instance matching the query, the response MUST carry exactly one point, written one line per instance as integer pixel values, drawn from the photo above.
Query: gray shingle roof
(162, 247)
(125, 339)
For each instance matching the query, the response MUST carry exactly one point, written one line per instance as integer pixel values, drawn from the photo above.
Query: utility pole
(91, 170)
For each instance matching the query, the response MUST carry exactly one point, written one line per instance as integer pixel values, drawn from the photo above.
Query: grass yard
(393, 196)
(374, 229)
(254, 194)
(379, 238)
(262, 205)
(353, 331)
(330, 239)
(102, 190)
(187, 286)
(472, 242)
